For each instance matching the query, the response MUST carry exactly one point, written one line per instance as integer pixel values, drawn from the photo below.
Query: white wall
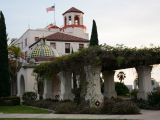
(60, 46)
(29, 80)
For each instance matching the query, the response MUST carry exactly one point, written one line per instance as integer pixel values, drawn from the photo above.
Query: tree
(94, 35)
(4, 69)
(14, 55)
(121, 76)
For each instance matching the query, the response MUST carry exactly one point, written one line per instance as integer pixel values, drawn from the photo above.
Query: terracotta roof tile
(65, 37)
(73, 9)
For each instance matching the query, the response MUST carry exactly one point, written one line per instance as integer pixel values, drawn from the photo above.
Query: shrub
(66, 107)
(134, 94)
(125, 107)
(143, 104)
(89, 110)
(9, 101)
(121, 89)
(154, 98)
(107, 106)
(48, 104)
(29, 96)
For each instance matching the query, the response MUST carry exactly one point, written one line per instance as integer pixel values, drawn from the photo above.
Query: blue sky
(129, 22)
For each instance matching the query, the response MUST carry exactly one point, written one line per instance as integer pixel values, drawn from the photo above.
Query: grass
(21, 109)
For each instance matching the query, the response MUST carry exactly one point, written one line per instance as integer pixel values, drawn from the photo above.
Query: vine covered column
(66, 85)
(93, 88)
(109, 85)
(144, 79)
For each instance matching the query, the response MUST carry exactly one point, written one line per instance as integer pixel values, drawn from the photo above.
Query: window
(53, 45)
(36, 39)
(65, 21)
(67, 47)
(22, 45)
(25, 55)
(25, 42)
(76, 20)
(70, 20)
(81, 46)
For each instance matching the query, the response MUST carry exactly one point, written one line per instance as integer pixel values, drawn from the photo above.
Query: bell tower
(73, 23)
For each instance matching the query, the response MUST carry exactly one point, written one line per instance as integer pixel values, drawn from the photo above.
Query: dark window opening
(67, 47)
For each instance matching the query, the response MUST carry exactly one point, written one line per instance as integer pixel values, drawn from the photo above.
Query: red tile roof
(51, 26)
(65, 38)
(73, 9)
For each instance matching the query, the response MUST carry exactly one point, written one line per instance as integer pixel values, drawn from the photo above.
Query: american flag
(52, 8)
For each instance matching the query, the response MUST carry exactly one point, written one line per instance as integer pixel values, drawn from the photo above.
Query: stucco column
(93, 88)
(48, 89)
(66, 85)
(109, 85)
(144, 78)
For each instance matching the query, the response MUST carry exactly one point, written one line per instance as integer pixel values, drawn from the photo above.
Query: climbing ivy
(110, 58)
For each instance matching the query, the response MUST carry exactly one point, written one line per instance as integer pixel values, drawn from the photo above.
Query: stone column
(144, 78)
(66, 85)
(93, 88)
(48, 89)
(109, 85)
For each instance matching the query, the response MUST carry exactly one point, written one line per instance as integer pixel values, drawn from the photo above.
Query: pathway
(146, 115)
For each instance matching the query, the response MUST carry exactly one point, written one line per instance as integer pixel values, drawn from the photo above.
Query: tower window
(67, 47)
(76, 20)
(65, 21)
(70, 20)
(53, 45)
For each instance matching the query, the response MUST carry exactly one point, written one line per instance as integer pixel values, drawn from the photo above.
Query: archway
(22, 85)
(76, 20)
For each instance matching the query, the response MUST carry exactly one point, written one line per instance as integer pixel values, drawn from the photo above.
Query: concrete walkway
(146, 115)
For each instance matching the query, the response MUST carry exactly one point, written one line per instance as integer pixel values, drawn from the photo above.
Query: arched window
(76, 20)
(22, 85)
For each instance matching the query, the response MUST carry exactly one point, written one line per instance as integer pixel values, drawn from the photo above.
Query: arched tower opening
(76, 20)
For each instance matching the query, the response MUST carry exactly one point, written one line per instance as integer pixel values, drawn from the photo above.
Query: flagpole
(54, 14)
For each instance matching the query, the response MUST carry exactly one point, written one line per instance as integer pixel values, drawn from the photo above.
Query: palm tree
(121, 76)
(14, 54)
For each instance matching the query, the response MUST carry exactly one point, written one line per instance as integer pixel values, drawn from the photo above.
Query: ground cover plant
(111, 106)
(21, 109)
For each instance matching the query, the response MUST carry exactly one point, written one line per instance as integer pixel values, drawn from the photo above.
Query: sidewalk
(146, 115)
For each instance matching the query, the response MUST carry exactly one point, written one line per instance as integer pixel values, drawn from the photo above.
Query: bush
(48, 104)
(153, 102)
(121, 89)
(108, 105)
(143, 104)
(66, 107)
(89, 110)
(9, 101)
(125, 107)
(29, 96)
(154, 98)
(134, 94)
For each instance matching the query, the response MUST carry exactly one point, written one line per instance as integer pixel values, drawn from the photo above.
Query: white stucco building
(40, 45)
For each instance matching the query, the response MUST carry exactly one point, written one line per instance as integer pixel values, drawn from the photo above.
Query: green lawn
(21, 109)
